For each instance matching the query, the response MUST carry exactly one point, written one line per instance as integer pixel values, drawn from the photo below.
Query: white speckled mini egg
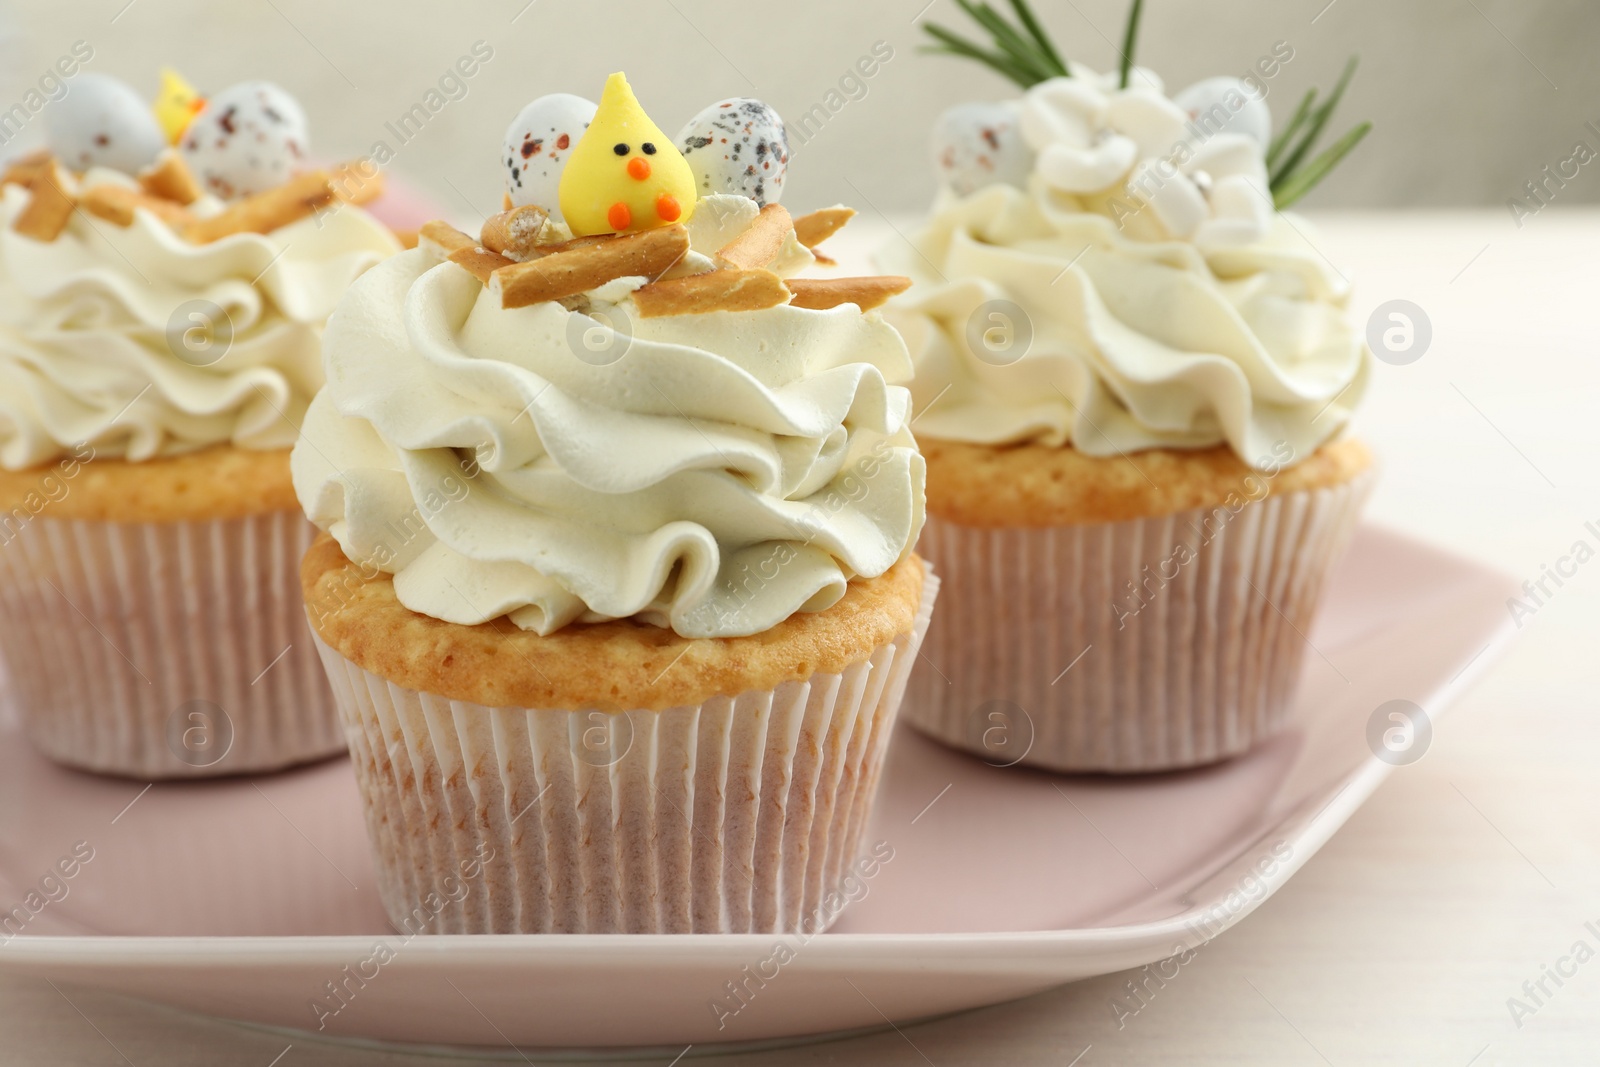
(249, 138)
(737, 146)
(538, 144)
(101, 122)
(979, 144)
(1224, 104)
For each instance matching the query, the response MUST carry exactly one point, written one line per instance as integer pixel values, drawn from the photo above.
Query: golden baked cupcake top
(1113, 269)
(619, 665)
(164, 276)
(619, 403)
(1043, 485)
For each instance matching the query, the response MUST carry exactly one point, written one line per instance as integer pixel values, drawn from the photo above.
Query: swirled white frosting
(1139, 293)
(1195, 173)
(713, 473)
(140, 344)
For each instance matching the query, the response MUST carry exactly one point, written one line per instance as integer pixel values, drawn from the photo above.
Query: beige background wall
(1471, 97)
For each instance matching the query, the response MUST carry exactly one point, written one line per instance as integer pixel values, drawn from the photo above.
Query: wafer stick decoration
(521, 234)
(356, 183)
(117, 204)
(295, 199)
(560, 274)
(460, 249)
(578, 242)
(479, 262)
(444, 238)
(717, 290)
(169, 177)
(22, 170)
(54, 197)
(820, 294)
(811, 230)
(761, 243)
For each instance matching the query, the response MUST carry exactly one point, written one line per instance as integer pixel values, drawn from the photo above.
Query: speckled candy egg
(979, 144)
(1224, 104)
(737, 146)
(249, 138)
(101, 122)
(538, 143)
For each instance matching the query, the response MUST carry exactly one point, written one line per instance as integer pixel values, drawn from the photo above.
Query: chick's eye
(649, 149)
(620, 149)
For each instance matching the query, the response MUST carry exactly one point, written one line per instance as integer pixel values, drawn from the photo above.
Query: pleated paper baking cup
(165, 650)
(740, 814)
(1143, 645)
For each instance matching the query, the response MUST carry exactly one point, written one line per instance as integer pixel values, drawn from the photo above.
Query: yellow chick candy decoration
(624, 175)
(176, 104)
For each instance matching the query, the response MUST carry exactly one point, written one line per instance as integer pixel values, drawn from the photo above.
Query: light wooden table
(1465, 875)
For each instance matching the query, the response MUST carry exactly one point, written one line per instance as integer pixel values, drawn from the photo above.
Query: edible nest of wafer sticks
(167, 188)
(516, 256)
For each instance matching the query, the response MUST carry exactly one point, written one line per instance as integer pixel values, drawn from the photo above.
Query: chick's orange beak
(639, 168)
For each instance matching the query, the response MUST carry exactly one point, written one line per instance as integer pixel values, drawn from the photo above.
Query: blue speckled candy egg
(737, 146)
(979, 144)
(101, 122)
(538, 143)
(249, 138)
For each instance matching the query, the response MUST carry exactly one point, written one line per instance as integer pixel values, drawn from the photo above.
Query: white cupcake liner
(736, 815)
(165, 650)
(1203, 670)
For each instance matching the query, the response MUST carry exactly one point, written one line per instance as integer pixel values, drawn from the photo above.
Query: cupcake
(617, 593)
(1134, 371)
(161, 310)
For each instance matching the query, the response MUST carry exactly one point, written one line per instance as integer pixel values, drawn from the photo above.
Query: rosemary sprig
(1289, 180)
(1319, 119)
(1304, 180)
(1006, 66)
(1031, 24)
(1006, 35)
(1021, 52)
(1129, 39)
(1301, 113)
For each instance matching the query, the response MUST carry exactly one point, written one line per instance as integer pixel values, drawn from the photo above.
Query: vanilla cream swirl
(140, 344)
(712, 473)
(1030, 323)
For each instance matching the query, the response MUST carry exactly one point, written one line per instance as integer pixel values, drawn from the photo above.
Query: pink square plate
(253, 899)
